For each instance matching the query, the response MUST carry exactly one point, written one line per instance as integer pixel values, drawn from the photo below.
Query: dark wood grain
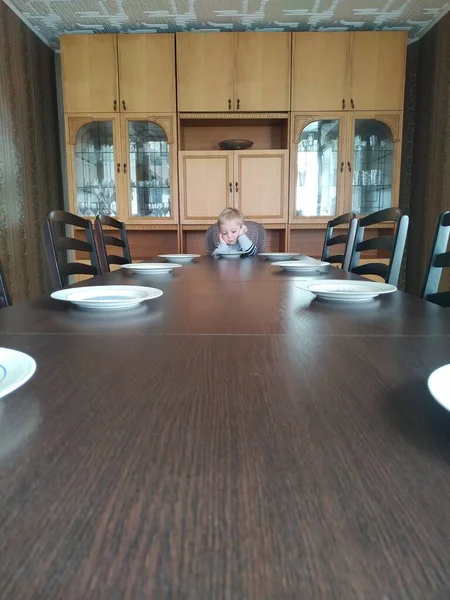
(233, 297)
(253, 445)
(214, 467)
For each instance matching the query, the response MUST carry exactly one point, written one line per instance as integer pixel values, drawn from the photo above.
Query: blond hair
(230, 214)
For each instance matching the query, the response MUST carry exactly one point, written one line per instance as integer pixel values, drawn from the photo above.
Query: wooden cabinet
(319, 71)
(344, 162)
(348, 71)
(254, 181)
(124, 73)
(89, 73)
(261, 182)
(220, 72)
(262, 75)
(378, 70)
(147, 73)
(124, 166)
(205, 72)
(206, 185)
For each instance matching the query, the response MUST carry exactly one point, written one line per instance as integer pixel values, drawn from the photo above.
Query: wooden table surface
(233, 439)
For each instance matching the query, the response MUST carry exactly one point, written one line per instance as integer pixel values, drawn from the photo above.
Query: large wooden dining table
(233, 439)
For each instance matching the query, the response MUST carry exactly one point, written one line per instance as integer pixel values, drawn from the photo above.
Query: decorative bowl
(235, 144)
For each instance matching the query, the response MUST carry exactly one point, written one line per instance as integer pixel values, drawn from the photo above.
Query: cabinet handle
(118, 167)
(124, 167)
(238, 104)
(342, 167)
(236, 186)
(124, 105)
(349, 167)
(352, 103)
(231, 187)
(115, 105)
(229, 103)
(343, 103)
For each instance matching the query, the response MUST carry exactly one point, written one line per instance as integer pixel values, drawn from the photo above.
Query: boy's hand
(222, 239)
(243, 229)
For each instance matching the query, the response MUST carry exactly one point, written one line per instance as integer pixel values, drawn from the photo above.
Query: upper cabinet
(319, 71)
(147, 73)
(124, 73)
(378, 70)
(262, 77)
(89, 73)
(220, 72)
(348, 71)
(205, 68)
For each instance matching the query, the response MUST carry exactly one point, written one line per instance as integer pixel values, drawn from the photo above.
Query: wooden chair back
(5, 299)
(439, 260)
(103, 240)
(343, 237)
(394, 244)
(58, 243)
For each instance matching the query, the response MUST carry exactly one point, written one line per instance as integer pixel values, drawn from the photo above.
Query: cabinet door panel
(89, 73)
(262, 180)
(319, 71)
(262, 71)
(147, 72)
(205, 71)
(378, 70)
(205, 185)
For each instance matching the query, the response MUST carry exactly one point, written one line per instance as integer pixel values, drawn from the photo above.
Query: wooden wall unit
(346, 100)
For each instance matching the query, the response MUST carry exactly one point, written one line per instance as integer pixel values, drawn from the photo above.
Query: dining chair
(394, 244)
(103, 240)
(5, 299)
(439, 259)
(57, 243)
(344, 237)
(256, 233)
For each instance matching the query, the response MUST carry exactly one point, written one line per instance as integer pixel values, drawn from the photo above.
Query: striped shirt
(244, 245)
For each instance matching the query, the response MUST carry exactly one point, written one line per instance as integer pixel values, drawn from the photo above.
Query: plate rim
(390, 289)
(179, 255)
(431, 383)
(294, 265)
(155, 266)
(11, 387)
(55, 295)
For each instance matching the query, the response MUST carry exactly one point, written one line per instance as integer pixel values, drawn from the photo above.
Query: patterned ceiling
(50, 18)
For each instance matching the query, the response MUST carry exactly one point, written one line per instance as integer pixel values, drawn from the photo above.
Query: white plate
(107, 297)
(151, 268)
(229, 255)
(300, 266)
(277, 255)
(348, 291)
(439, 385)
(16, 368)
(179, 258)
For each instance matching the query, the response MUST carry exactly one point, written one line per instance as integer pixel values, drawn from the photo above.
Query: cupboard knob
(118, 167)
(231, 187)
(236, 186)
(124, 167)
(343, 103)
(352, 103)
(229, 103)
(238, 104)
(115, 105)
(349, 167)
(124, 105)
(342, 166)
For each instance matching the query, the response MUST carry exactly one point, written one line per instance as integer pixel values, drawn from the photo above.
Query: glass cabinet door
(95, 175)
(373, 166)
(316, 187)
(149, 170)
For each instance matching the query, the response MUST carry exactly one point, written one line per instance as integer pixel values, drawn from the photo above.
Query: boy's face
(230, 231)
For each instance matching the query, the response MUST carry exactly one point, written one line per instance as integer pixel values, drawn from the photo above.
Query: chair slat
(383, 242)
(117, 260)
(74, 268)
(103, 240)
(442, 260)
(382, 216)
(379, 269)
(338, 239)
(68, 243)
(335, 258)
(113, 241)
(440, 298)
(67, 218)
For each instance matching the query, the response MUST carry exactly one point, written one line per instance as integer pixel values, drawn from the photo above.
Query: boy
(232, 234)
